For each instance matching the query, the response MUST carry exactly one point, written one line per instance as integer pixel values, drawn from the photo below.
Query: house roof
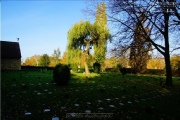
(10, 49)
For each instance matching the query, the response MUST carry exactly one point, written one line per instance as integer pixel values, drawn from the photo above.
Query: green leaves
(81, 37)
(84, 35)
(56, 55)
(74, 56)
(78, 33)
(44, 60)
(104, 34)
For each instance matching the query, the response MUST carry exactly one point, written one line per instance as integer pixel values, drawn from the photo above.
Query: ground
(33, 95)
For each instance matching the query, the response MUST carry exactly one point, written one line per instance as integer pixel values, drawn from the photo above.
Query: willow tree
(101, 23)
(81, 38)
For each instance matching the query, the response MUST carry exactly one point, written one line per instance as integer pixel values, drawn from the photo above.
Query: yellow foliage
(156, 63)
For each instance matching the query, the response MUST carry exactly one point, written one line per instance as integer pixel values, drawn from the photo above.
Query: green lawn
(124, 97)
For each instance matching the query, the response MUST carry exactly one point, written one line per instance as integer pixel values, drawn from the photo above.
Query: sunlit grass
(127, 97)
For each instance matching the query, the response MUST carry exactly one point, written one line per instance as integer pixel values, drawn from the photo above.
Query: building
(10, 55)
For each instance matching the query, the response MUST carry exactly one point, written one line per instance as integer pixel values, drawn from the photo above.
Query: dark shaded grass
(143, 96)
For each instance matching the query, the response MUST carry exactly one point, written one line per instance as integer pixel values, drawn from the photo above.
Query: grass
(125, 97)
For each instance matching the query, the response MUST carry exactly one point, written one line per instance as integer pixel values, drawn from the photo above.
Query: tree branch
(175, 49)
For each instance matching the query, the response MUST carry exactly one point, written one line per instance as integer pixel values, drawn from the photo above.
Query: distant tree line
(45, 60)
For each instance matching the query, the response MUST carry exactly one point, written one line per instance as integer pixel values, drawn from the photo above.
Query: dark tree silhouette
(160, 16)
(139, 48)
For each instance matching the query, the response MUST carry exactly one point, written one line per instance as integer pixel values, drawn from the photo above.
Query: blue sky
(42, 26)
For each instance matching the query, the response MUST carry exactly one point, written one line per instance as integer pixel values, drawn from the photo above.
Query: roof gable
(10, 50)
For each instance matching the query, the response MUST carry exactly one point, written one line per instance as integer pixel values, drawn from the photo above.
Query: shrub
(97, 67)
(119, 66)
(176, 73)
(61, 74)
(110, 69)
(155, 71)
(91, 70)
(123, 71)
(72, 67)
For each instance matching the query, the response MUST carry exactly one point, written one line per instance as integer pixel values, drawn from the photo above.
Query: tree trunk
(86, 60)
(86, 69)
(167, 55)
(168, 70)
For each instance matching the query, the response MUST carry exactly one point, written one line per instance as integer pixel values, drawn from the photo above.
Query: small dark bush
(91, 70)
(97, 67)
(119, 66)
(176, 73)
(155, 71)
(36, 68)
(123, 71)
(61, 74)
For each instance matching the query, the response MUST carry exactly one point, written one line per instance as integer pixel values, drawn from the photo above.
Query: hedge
(36, 68)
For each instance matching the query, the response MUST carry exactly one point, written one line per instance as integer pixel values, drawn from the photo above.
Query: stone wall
(10, 64)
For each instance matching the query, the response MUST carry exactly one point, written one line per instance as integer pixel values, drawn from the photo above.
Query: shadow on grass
(127, 97)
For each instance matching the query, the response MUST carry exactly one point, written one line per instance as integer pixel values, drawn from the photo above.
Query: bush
(61, 74)
(114, 70)
(119, 66)
(176, 73)
(36, 68)
(73, 67)
(155, 71)
(123, 71)
(91, 70)
(97, 67)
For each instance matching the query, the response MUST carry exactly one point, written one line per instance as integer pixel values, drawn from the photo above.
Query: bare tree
(56, 55)
(161, 19)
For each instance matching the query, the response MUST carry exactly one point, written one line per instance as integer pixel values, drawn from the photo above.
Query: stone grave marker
(100, 108)
(27, 113)
(122, 104)
(76, 105)
(88, 111)
(112, 106)
(88, 103)
(108, 99)
(46, 110)
(55, 118)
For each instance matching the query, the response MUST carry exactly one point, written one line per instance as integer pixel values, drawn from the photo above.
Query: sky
(40, 25)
